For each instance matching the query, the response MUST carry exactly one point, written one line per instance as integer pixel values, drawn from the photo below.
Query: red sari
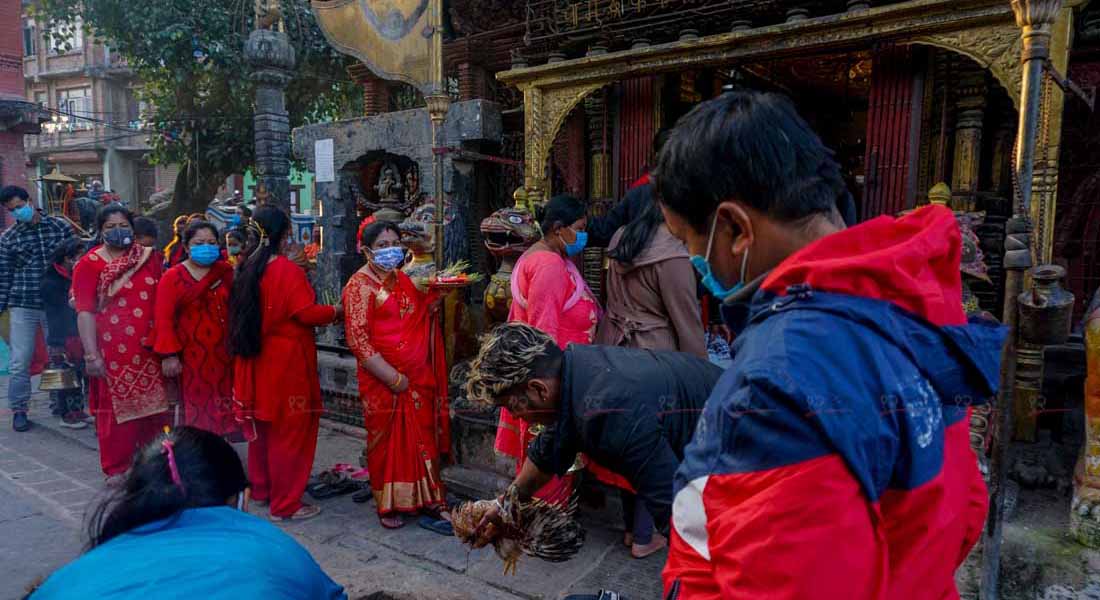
(192, 322)
(130, 403)
(278, 391)
(406, 432)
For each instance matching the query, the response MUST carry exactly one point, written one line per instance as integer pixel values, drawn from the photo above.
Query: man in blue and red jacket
(831, 460)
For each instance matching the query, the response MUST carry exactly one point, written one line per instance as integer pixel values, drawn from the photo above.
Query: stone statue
(412, 186)
(389, 186)
(508, 232)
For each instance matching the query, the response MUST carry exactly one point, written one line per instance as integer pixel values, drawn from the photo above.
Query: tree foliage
(189, 57)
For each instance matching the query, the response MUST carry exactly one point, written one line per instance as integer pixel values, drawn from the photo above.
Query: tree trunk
(193, 196)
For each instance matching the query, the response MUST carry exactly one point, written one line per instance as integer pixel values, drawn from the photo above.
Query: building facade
(94, 129)
(17, 117)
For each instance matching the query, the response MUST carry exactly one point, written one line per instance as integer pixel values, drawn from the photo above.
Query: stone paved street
(49, 476)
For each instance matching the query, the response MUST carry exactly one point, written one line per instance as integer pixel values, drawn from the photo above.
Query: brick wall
(11, 49)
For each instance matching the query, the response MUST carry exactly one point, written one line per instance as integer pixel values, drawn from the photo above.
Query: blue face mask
(121, 237)
(388, 259)
(578, 244)
(709, 281)
(24, 214)
(205, 254)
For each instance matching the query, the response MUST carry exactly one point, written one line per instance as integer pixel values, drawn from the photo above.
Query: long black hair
(637, 234)
(266, 231)
(209, 473)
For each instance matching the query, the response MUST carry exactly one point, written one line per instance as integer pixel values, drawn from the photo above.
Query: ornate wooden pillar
(1044, 188)
(376, 92)
(599, 181)
(544, 111)
(1004, 138)
(970, 102)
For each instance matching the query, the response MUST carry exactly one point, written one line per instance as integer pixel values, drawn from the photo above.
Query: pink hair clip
(172, 468)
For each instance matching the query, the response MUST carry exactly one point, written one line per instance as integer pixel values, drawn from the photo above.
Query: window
(42, 99)
(29, 35)
(67, 38)
(76, 103)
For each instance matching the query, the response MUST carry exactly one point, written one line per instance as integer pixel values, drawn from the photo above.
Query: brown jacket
(651, 304)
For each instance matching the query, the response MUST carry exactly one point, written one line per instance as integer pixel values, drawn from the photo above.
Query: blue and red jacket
(832, 459)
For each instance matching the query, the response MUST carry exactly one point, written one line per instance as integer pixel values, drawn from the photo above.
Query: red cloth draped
(192, 322)
(408, 432)
(130, 403)
(280, 389)
(283, 378)
(121, 293)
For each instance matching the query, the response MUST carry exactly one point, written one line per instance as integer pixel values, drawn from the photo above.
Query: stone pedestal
(272, 59)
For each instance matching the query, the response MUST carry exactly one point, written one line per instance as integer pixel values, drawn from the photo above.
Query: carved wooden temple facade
(565, 96)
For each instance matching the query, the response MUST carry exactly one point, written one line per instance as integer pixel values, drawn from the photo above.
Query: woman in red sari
(548, 292)
(390, 326)
(192, 326)
(272, 313)
(114, 288)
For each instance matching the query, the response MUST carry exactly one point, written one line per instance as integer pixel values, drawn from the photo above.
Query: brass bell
(59, 376)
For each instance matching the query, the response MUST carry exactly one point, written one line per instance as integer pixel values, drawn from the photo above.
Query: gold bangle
(396, 382)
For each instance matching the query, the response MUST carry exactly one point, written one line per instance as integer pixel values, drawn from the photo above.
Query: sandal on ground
(440, 526)
(394, 522)
(362, 496)
(308, 511)
(332, 486)
(655, 545)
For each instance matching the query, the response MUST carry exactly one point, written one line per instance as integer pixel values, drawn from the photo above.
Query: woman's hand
(339, 313)
(402, 384)
(95, 367)
(171, 367)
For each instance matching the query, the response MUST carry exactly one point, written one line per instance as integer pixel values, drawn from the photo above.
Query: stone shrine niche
(385, 181)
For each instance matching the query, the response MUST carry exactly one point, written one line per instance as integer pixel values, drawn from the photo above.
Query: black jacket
(60, 317)
(631, 411)
(600, 229)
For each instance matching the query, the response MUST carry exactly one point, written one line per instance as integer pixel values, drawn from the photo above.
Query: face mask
(235, 220)
(578, 244)
(233, 250)
(388, 258)
(24, 214)
(205, 254)
(703, 268)
(119, 238)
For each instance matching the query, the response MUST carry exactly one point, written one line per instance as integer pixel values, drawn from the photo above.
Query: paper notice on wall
(325, 171)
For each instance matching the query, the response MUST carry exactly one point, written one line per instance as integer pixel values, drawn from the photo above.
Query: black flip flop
(362, 496)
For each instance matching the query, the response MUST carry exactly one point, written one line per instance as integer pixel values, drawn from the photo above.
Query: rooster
(535, 528)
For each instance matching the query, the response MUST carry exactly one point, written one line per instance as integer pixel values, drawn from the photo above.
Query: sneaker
(20, 422)
(72, 421)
